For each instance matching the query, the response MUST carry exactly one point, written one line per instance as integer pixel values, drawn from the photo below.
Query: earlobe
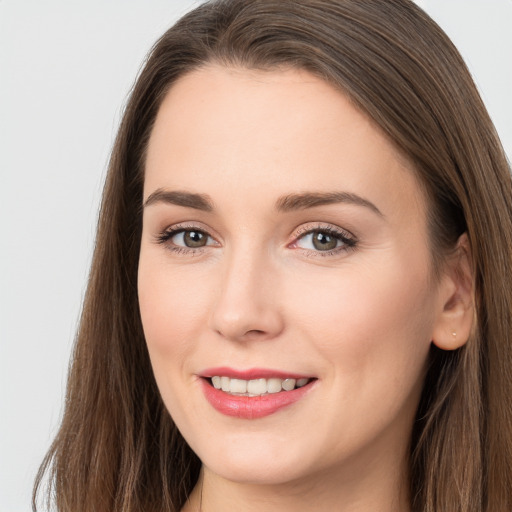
(456, 309)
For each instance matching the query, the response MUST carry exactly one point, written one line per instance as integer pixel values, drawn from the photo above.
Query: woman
(300, 295)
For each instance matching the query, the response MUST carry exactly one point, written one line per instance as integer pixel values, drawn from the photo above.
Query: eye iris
(194, 239)
(324, 242)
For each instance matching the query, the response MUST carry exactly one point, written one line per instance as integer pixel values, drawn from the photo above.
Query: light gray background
(65, 70)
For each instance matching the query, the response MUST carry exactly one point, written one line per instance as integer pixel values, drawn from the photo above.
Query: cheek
(373, 331)
(372, 323)
(172, 306)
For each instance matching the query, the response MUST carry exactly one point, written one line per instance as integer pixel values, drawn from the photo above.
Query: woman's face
(285, 255)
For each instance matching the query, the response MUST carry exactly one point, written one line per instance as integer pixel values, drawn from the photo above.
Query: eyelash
(348, 241)
(165, 236)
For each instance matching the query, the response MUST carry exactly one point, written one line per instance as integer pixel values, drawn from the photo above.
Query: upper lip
(251, 373)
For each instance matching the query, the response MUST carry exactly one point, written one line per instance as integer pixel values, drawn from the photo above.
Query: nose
(246, 304)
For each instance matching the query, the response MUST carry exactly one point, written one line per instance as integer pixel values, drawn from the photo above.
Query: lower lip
(251, 407)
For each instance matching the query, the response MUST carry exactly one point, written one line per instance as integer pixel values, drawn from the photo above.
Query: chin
(257, 460)
(264, 473)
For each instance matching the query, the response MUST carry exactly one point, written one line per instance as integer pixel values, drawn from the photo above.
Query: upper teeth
(256, 387)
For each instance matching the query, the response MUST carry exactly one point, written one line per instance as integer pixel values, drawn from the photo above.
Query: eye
(319, 241)
(190, 238)
(326, 240)
(184, 239)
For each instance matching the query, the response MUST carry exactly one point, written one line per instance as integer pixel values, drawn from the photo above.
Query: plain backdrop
(66, 68)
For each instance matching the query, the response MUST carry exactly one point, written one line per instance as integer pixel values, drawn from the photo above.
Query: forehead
(233, 130)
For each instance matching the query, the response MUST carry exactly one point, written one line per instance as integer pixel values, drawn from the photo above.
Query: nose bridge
(245, 305)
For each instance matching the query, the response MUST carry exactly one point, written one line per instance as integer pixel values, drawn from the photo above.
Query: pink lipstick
(253, 393)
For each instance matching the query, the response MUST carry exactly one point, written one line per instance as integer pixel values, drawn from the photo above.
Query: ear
(456, 299)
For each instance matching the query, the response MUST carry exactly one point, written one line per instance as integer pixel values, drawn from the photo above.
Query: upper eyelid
(175, 229)
(308, 228)
(193, 226)
(298, 232)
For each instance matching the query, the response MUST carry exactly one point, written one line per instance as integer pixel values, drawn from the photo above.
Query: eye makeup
(323, 240)
(311, 239)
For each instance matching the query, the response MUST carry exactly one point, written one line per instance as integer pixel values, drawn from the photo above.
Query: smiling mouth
(256, 387)
(261, 393)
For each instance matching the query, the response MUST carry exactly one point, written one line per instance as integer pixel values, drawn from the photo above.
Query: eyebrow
(187, 199)
(306, 200)
(288, 203)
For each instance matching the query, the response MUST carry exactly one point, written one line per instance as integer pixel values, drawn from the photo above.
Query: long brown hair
(117, 448)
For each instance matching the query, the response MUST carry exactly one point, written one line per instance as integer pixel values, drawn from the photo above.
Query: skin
(259, 294)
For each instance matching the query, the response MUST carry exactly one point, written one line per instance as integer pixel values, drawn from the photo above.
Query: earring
(454, 334)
